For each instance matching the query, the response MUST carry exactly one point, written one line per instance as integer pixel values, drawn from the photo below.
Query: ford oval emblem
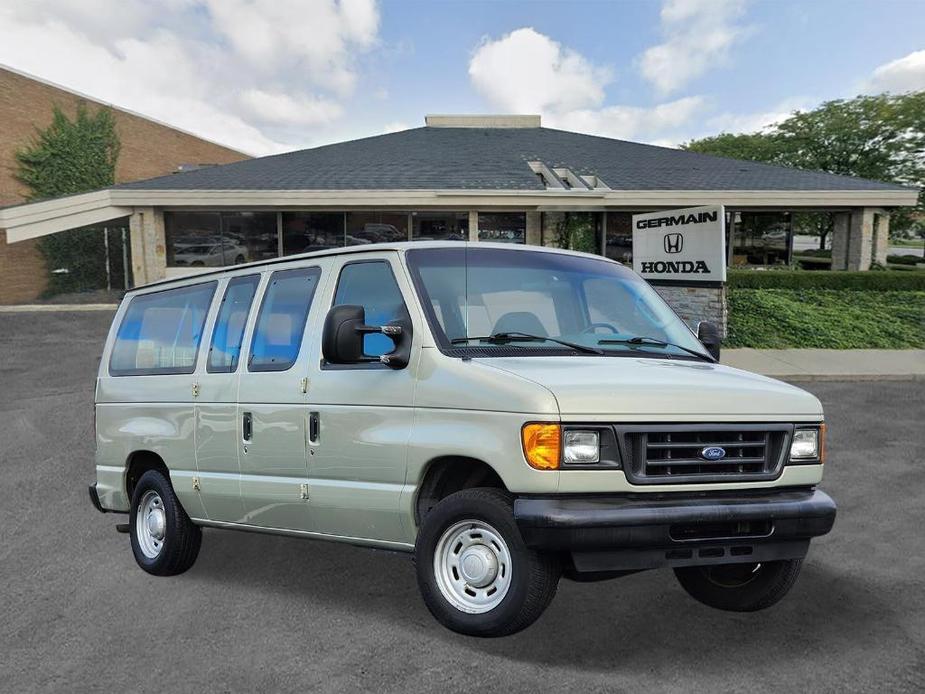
(713, 453)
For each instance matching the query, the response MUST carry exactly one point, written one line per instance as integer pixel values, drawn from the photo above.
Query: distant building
(472, 178)
(148, 149)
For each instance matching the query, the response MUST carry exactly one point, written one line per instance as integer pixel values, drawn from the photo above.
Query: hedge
(877, 281)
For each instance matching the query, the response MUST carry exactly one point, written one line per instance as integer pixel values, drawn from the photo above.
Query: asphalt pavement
(263, 613)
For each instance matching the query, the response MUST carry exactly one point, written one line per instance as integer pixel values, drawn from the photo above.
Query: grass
(826, 318)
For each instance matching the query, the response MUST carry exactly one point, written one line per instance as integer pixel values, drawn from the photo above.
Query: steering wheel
(594, 326)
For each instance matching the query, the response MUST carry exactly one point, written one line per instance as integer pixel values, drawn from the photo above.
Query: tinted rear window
(160, 332)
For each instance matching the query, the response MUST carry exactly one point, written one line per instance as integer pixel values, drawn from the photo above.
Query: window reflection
(503, 227)
(376, 227)
(761, 238)
(440, 226)
(304, 232)
(213, 239)
(619, 244)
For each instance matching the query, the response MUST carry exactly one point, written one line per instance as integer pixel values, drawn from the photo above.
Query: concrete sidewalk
(830, 364)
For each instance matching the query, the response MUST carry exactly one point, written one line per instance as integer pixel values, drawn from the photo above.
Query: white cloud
(905, 74)
(631, 122)
(528, 72)
(257, 75)
(760, 120)
(699, 34)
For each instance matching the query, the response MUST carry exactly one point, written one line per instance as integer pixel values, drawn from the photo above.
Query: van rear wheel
(740, 587)
(476, 575)
(165, 541)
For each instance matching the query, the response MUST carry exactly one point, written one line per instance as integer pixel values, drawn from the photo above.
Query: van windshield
(497, 301)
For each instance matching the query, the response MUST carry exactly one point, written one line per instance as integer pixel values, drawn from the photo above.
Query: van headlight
(808, 444)
(581, 447)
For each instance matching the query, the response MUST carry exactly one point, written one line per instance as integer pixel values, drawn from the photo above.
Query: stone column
(840, 240)
(861, 239)
(473, 225)
(149, 247)
(534, 230)
(694, 304)
(881, 238)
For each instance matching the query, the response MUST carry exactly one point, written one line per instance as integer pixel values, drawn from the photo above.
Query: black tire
(181, 538)
(534, 576)
(740, 587)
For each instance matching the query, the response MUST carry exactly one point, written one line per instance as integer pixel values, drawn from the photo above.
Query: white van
(507, 414)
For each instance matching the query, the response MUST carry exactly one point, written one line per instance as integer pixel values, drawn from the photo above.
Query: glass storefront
(760, 238)
(217, 239)
(304, 232)
(619, 238)
(575, 231)
(439, 226)
(376, 227)
(503, 227)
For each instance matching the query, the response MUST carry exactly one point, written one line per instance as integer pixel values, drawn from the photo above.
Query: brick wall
(695, 304)
(148, 149)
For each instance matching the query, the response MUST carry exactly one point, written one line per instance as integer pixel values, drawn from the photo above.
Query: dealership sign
(686, 245)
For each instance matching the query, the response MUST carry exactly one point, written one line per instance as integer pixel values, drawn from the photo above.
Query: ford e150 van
(508, 415)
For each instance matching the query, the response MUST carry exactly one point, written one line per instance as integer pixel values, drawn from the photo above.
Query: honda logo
(673, 243)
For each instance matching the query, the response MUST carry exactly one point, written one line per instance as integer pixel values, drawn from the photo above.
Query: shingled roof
(468, 158)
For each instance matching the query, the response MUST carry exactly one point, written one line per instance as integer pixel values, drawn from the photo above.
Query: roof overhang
(36, 219)
(32, 220)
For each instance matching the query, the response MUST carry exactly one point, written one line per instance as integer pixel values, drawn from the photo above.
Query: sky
(269, 76)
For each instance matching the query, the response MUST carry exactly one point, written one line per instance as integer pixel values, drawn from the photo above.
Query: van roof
(369, 248)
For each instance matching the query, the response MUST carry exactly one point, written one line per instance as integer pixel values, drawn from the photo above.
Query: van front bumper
(642, 531)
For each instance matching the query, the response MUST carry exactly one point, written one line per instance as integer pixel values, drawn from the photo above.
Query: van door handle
(247, 426)
(314, 426)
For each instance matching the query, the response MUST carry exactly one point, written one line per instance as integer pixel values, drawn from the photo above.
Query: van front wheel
(476, 575)
(165, 541)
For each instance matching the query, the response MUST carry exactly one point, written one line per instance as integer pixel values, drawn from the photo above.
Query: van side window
(229, 326)
(160, 332)
(281, 321)
(372, 286)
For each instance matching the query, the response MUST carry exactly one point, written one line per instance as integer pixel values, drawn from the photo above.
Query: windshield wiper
(517, 336)
(655, 342)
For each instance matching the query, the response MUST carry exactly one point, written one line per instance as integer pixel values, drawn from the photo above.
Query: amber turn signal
(822, 444)
(542, 444)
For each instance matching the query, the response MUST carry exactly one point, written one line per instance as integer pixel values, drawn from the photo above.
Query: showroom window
(575, 231)
(376, 227)
(440, 226)
(761, 238)
(304, 232)
(217, 239)
(503, 227)
(619, 238)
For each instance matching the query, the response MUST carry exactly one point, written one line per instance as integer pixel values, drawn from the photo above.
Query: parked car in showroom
(508, 415)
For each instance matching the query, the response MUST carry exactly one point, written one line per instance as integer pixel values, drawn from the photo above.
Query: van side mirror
(344, 330)
(708, 334)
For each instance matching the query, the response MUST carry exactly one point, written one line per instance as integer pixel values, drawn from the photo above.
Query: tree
(69, 157)
(876, 137)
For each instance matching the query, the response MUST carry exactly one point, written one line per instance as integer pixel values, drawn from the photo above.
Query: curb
(58, 308)
(846, 378)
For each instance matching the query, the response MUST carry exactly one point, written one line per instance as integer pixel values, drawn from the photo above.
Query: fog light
(581, 447)
(805, 445)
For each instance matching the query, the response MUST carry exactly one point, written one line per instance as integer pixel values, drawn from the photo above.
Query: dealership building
(471, 178)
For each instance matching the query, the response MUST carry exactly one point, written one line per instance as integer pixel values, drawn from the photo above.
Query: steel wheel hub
(472, 566)
(151, 524)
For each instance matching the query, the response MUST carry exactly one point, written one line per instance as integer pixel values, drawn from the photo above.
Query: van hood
(658, 388)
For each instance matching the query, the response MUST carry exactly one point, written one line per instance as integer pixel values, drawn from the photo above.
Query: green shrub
(826, 318)
(795, 279)
(905, 259)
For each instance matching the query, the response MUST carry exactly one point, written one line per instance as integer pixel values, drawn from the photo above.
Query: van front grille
(673, 454)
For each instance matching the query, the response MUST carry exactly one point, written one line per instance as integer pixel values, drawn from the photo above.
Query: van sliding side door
(272, 412)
